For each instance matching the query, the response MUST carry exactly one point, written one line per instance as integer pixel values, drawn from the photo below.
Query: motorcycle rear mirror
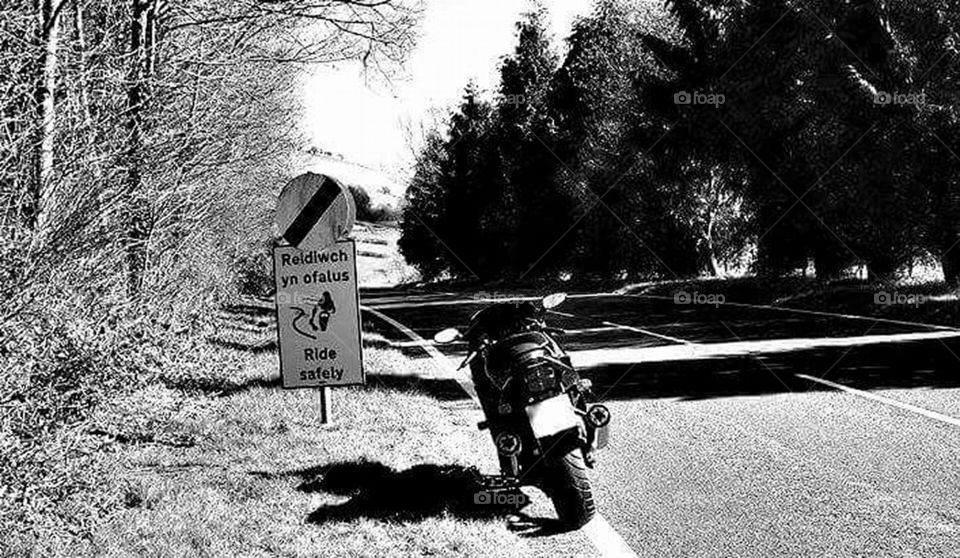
(447, 335)
(553, 300)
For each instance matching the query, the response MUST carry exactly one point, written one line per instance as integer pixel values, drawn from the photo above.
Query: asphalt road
(722, 445)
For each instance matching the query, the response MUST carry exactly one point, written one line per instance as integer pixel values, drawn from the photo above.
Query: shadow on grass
(259, 308)
(248, 346)
(439, 389)
(220, 388)
(379, 492)
(247, 328)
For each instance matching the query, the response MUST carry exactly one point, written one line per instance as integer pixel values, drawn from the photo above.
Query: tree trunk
(882, 269)
(714, 263)
(827, 265)
(951, 265)
(84, 95)
(136, 202)
(711, 247)
(948, 230)
(48, 25)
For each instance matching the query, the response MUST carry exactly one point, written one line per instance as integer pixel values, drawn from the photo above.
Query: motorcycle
(537, 407)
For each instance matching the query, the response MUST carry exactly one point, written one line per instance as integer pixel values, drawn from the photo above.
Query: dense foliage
(702, 136)
(141, 146)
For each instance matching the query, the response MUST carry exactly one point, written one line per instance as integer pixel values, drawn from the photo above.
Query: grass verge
(251, 471)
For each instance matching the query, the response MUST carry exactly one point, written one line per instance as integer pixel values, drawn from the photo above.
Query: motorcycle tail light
(540, 379)
(508, 443)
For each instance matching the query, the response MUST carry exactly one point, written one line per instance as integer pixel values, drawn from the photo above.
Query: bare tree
(143, 36)
(135, 134)
(194, 54)
(48, 14)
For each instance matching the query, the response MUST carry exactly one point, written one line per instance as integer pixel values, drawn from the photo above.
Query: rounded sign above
(315, 210)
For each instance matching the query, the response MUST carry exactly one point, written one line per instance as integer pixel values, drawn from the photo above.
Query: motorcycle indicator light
(508, 443)
(598, 416)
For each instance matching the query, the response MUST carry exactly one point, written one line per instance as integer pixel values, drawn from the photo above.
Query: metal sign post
(326, 406)
(317, 296)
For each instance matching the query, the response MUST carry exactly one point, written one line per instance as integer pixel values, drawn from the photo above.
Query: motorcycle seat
(520, 348)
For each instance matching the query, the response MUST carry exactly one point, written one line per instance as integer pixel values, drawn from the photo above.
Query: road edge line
(443, 363)
(885, 400)
(606, 539)
(647, 332)
(601, 534)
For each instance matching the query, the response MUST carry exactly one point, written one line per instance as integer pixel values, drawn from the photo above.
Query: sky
(369, 122)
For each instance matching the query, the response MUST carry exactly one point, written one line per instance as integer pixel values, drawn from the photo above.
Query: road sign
(318, 315)
(315, 210)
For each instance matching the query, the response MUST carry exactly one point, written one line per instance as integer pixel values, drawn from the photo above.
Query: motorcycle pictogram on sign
(320, 314)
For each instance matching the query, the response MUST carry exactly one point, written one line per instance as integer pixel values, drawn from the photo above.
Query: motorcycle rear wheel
(565, 481)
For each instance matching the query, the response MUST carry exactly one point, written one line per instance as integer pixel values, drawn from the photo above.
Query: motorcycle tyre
(565, 481)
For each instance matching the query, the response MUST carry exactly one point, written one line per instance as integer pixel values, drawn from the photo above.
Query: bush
(56, 366)
(254, 274)
(367, 212)
(75, 373)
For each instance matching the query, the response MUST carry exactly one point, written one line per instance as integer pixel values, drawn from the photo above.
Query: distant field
(379, 262)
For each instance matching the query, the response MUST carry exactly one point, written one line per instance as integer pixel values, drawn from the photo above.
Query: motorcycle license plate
(551, 416)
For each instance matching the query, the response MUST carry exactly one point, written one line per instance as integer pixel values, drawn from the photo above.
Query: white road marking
(424, 343)
(398, 305)
(414, 304)
(813, 313)
(607, 328)
(885, 400)
(446, 367)
(650, 333)
(564, 314)
(607, 540)
(697, 351)
(431, 343)
(604, 537)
